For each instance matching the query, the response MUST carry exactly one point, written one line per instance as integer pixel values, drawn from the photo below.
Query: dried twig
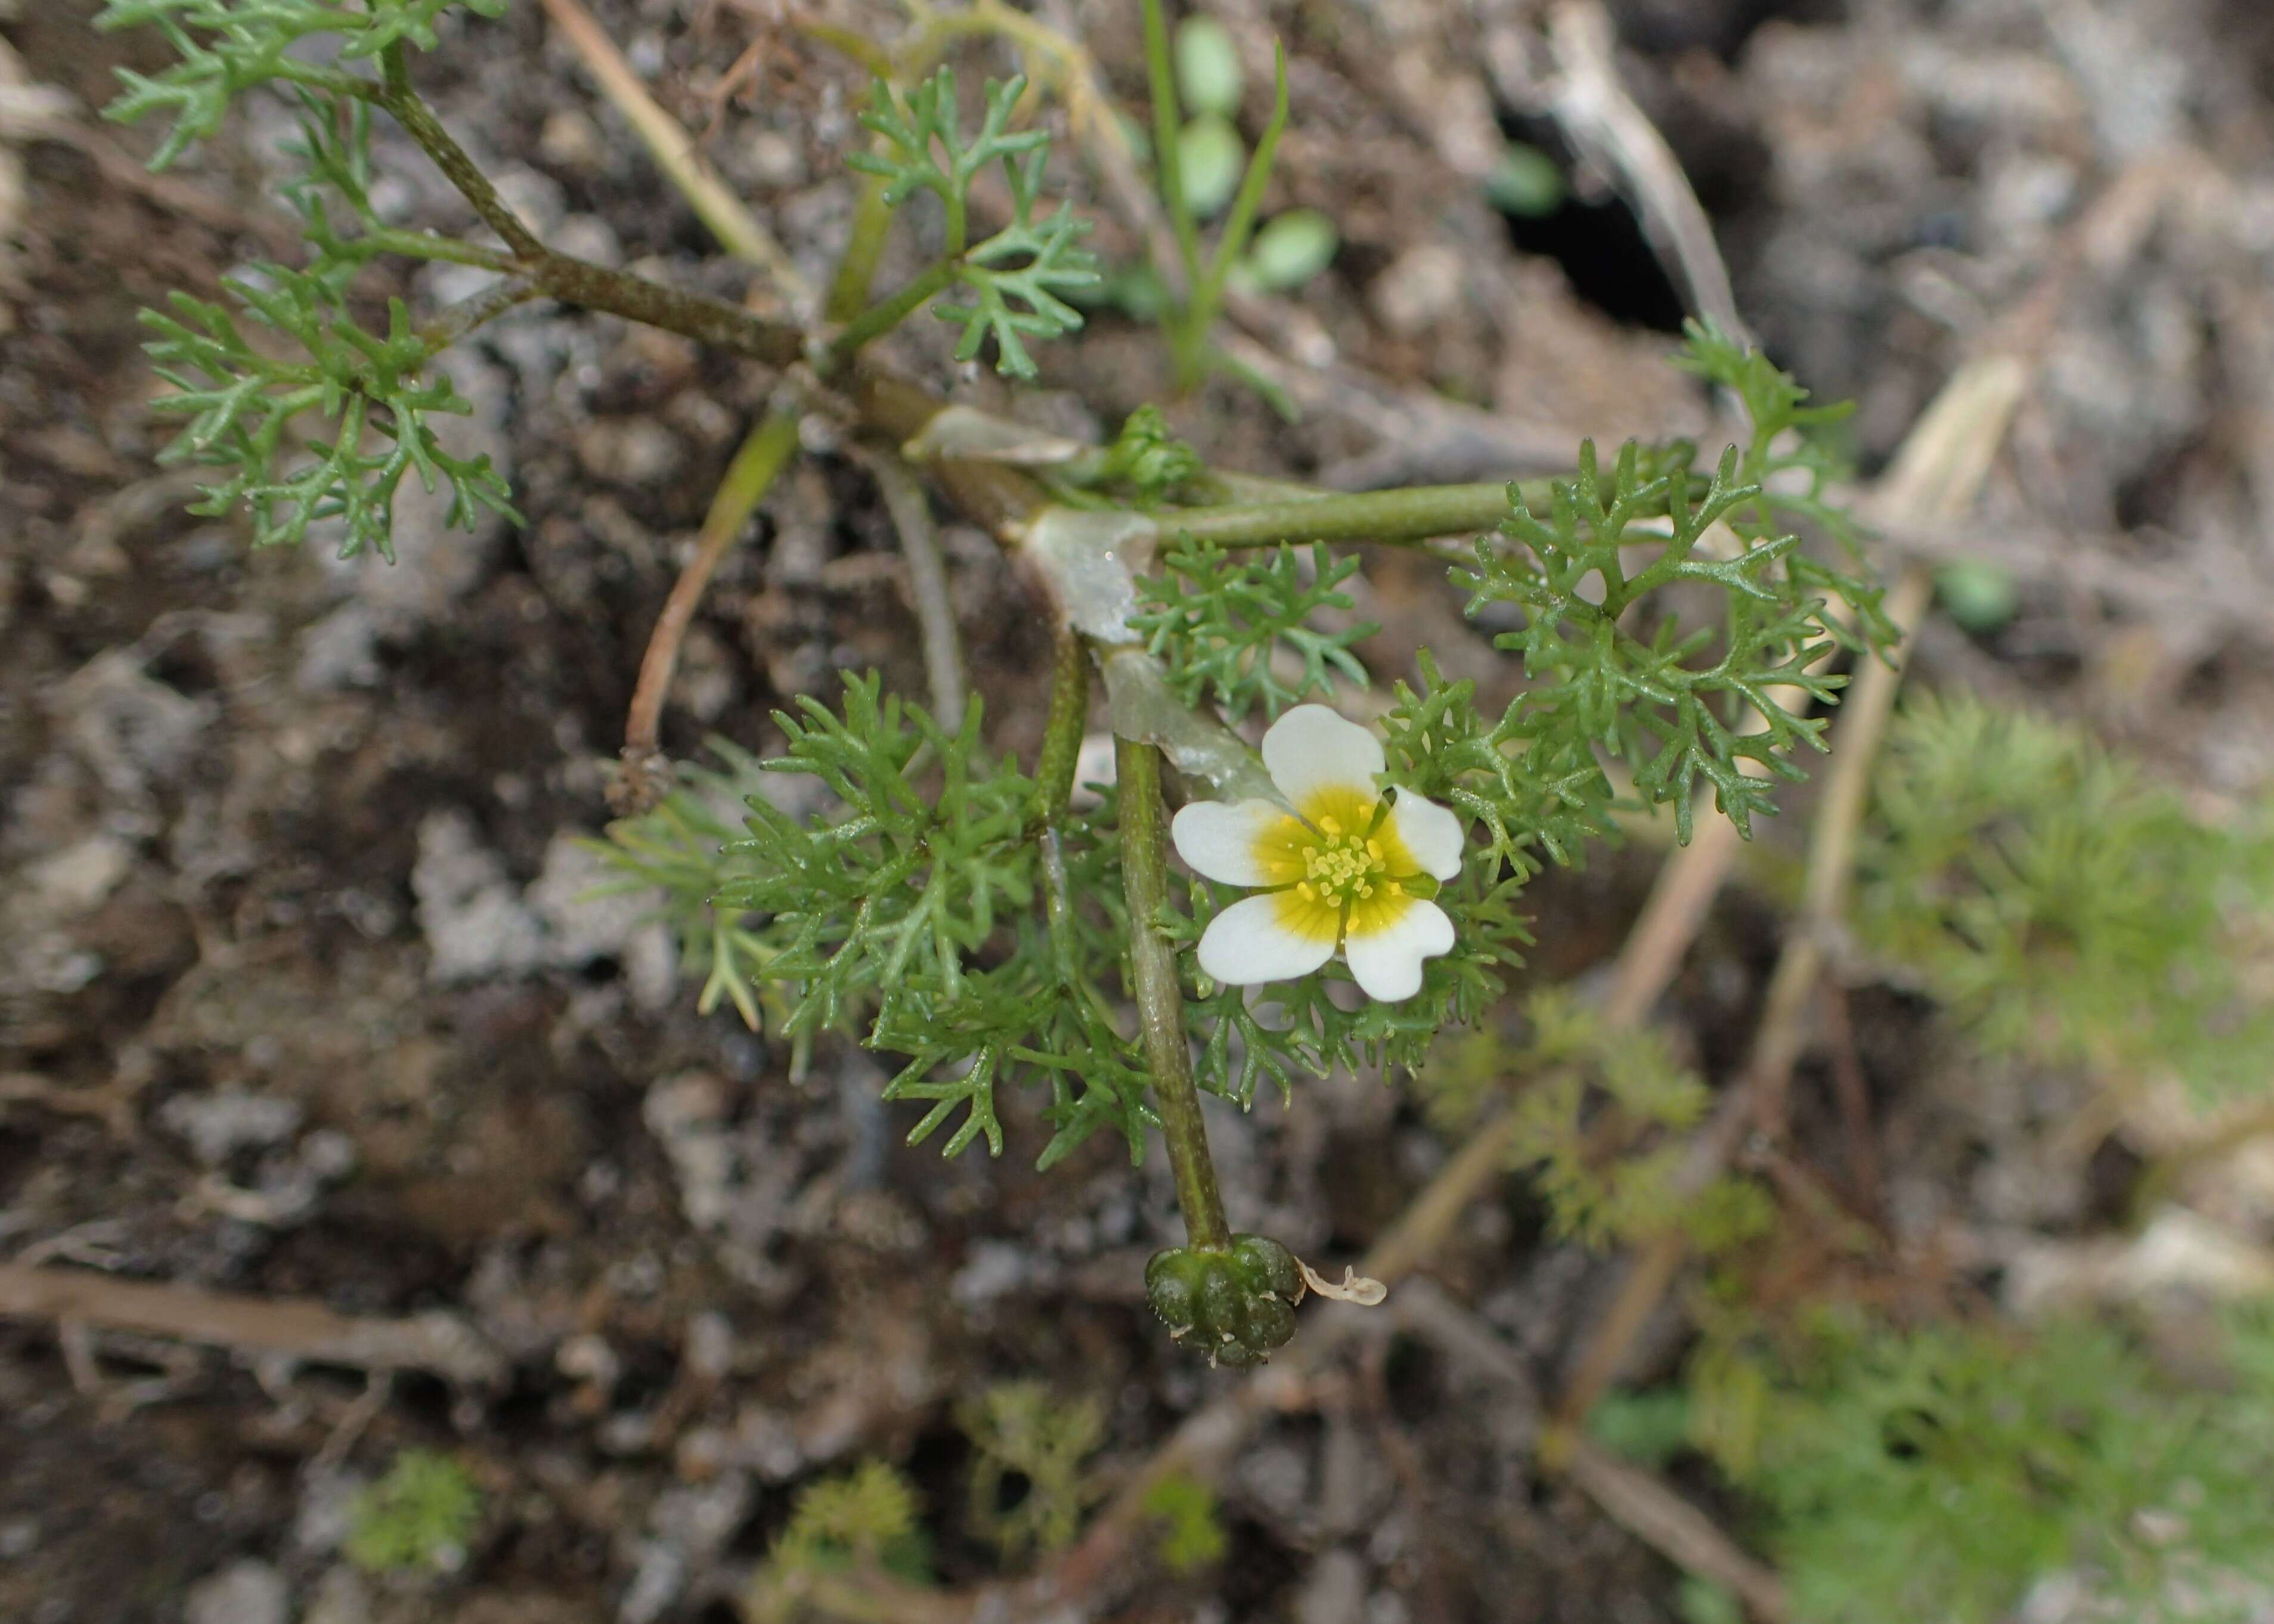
(673, 150)
(294, 1327)
(1936, 477)
(112, 1103)
(33, 112)
(1940, 470)
(1852, 1095)
(910, 508)
(1677, 1529)
(764, 455)
(1592, 107)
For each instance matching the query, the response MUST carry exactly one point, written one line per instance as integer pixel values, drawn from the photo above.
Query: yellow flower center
(1341, 867)
(1338, 868)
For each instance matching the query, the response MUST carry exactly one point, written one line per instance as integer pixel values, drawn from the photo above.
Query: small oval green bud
(1525, 183)
(1267, 1266)
(1292, 249)
(1172, 1287)
(1209, 157)
(1208, 66)
(1981, 597)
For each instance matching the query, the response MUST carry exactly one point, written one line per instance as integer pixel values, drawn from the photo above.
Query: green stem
(1054, 768)
(957, 236)
(431, 245)
(1396, 516)
(1232, 239)
(1054, 773)
(856, 270)
(1160, 997)
(1166, 119)
(890, 311)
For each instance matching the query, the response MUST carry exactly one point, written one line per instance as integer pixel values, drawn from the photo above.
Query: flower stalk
(1160, 998)
(1054, 773)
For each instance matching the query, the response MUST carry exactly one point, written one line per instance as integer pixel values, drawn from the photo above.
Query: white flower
(1344, 870)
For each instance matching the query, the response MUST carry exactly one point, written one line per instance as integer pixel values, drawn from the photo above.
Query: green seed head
(1236, 1305)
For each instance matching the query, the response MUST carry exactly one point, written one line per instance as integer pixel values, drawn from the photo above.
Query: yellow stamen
(1340, 864)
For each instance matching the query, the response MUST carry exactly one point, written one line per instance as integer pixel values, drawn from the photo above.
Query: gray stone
(469, 910)
(1335, 1592)
(246, 1593)
(217, 1125)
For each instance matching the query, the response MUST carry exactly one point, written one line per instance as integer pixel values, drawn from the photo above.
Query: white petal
(1239, 843)
(1252, 941)
(1312, 748)
(1432, 834)
(1387, 965)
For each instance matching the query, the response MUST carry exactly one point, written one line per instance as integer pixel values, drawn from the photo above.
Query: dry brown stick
(674, 152)
(1936, 477)
(112, 1103)
(1592, 108)
(31, 112)
(296, 1328)
(764, 455)
(1831, 858)
(1671, 917)
(1684, 1535)
(910, 508)
(1852, 1093)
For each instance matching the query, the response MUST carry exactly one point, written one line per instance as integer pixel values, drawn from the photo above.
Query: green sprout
(1018, 1429)
(421, 1515)
(1191, 1522)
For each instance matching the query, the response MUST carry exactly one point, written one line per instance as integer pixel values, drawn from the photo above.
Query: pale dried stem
(1685, 1535)
(296, 1328)
(910, 508)
(112, 1103)
(764, 453)
(1590, 104)
(674, 152)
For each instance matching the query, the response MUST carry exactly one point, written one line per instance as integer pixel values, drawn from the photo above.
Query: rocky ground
(304, 997)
